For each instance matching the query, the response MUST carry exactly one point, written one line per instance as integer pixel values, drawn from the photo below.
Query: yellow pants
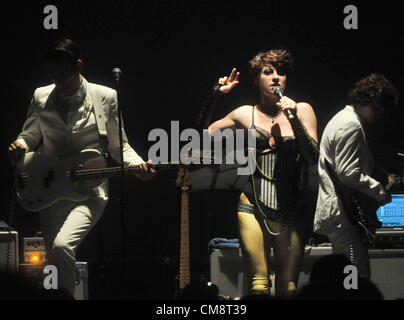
(256, 243)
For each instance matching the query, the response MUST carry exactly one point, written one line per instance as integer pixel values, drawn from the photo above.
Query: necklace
(272, 116)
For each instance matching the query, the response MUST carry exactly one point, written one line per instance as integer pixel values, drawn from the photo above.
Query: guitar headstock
(198, 160)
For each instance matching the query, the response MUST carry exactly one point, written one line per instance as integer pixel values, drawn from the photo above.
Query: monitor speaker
(8, 248)
(387, 270)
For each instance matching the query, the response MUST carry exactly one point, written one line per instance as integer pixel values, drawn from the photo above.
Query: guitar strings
(85, 172)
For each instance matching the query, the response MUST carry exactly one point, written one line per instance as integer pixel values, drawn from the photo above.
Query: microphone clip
(116, 74)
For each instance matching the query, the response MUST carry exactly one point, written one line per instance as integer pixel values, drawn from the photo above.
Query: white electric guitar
(41, 180)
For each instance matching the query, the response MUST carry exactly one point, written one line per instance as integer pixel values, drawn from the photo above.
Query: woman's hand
(228, 83)
(286, 103)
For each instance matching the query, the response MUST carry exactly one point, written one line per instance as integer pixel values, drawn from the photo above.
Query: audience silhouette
(16, 286)
(327, 282)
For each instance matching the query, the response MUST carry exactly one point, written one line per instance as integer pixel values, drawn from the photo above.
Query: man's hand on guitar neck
(392, 179)
(15, 151)
(147, 173)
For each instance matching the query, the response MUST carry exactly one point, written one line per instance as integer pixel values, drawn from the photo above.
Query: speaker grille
(8, 251)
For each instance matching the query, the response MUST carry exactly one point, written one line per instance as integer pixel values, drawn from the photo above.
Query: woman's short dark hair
(63, 48)
(375, 88)
(279, 57)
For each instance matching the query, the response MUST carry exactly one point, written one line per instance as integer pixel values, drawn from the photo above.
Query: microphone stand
(117, 74)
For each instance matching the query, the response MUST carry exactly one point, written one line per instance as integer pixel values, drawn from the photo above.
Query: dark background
(171, 53)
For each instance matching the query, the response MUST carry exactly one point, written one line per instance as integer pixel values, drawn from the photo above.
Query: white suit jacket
(43, 125)
(93, 115)
(343, 145)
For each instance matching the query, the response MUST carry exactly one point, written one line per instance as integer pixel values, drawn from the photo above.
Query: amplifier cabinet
(81, 288)
(387, 272)
(227, 270)
(9, 253)
(35, 272)
(311, 255)
(389, 238)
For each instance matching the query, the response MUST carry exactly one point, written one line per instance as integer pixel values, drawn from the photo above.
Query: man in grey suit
(63, 119)
(345, 157)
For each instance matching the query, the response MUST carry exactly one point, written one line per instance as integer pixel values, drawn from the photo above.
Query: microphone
(116, 74)
(279, 93)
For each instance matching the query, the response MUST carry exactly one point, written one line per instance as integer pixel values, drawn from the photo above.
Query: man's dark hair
(63, 49)
(374, 88)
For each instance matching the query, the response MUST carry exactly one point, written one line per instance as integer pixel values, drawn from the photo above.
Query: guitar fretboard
(184, 250)
(87, 174)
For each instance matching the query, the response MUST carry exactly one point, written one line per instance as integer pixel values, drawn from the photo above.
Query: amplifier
(81, 288)
(311, 255)
(34, 250)
(35, 272)
(387, 270)
(227, 272)
(389, 238)
(8, 248)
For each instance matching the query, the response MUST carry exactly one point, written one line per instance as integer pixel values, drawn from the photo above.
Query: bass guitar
(184, 180)
(41, 180)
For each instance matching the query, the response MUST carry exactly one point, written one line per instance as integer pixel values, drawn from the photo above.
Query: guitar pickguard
(42, 180)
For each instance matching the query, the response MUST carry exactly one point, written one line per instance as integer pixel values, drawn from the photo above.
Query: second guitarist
(345, 156)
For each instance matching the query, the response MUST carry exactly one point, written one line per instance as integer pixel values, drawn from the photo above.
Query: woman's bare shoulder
(304, 108)
(241, 111)
(304, 105)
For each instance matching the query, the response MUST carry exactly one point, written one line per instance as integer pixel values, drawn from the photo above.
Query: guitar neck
(90, 174)
(184, 246)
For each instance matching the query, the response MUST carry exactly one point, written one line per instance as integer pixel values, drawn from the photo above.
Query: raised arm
(228, 121)
(223, 86)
